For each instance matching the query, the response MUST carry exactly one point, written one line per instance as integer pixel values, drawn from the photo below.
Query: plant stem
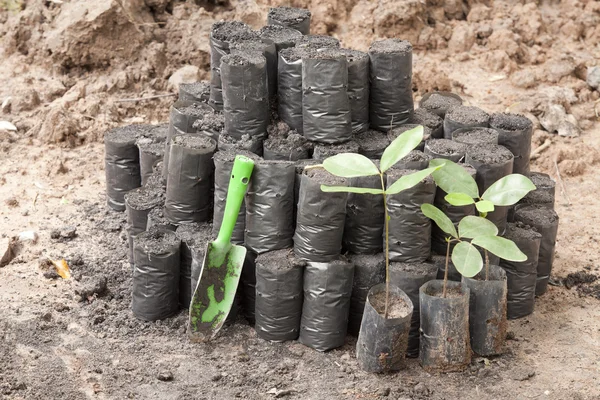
(446, 269)
(487, 265)
(387, 250)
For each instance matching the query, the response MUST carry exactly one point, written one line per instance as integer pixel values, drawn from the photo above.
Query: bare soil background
(65, 66)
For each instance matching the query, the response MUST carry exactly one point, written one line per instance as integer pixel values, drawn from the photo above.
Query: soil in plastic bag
(270, 206)
(424, 117)
(472, 136)
(198, 92)
(409, 277)
(290, 17)
(369, 270)
(191, 236)
(464, 117)
(372, 143)
(325, 150)
(155, 293)
(391, 101)
(320, 218)
(522, 276)
(289, 86)
(440, 103)
(409, 229)
(327, 293)
(326, 114)
(279, 295)
(190, 179)
(515, 133)
(545, 221)
(122, 164)
(358, 89)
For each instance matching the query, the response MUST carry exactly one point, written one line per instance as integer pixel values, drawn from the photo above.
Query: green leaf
(467, 259)
(408, 181)
(349, 189)
(508, 190)
(441, 220)
(484, 206)
(350, 165)
(453, 178)
(459, 199)
(472, 226)
(501, 247)
(400, 147)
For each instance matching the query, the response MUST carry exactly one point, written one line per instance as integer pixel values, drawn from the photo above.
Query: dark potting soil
(289, 15)
(157, 216)
(394, 133)
(537, 214)
(145, 197)
(232, 30)
(210, 122)
(468, 115)
(300, 164)
(157, 241)
(157, 149)
(126, 134)
(153, 134)
(195, 234)
(446, 147)
(439, 101)
(542, 181)
(196, 89)
(451, 292)
(324, 150)
(248, 58)
(327, 54)
(396, 173)
(229, 156)
(282, 144)
(415, 155)
(354, 55)
(198, 142)
(279, 260)
(292, 54)
(519, 230)
(397, 307)
(250, 46)
(278, 128)
(579, 278)
(423, 116)
(391, 46)
(372, 141)
(193, 109)
(318, 41)
(245, 142)
(413, 268)
(279, 34)
(489, 153)
(476, 136)
(510, 122)
(325, 178)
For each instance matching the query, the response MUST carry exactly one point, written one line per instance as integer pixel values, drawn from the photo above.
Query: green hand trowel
(223, 263)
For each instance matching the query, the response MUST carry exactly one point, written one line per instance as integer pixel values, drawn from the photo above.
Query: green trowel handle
(238, 183)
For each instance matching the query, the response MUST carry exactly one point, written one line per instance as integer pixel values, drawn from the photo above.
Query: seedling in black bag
(475, 230)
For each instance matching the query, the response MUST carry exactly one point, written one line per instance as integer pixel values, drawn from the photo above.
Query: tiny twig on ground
(136, 99)
(562, 184)
(538, 150)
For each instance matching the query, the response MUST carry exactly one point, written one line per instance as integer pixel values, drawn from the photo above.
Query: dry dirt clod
(92, 286)
(593, 77)
(7, 251)
(165, 376)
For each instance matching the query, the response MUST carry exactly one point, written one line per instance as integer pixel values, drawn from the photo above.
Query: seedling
(475, 230)
(351, 165)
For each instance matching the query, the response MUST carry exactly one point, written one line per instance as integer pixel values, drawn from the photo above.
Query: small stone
(384, 392)
(555, 114)
(68, 232)
(593, 77)
(186, 74)
(568, 129)
(216, 377)
(420, 388)
(165, 376)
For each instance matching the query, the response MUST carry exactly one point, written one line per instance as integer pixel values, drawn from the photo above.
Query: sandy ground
(77, 338)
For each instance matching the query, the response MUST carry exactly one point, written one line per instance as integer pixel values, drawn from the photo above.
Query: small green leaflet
(459, 199)
(472, 226)
(441, 220)
(467, 259)
(453, 178)
(508, 190)
(400, 147)
(350, 165)
(484, 206)
(349, 189)
(503, 248)
(408, 181)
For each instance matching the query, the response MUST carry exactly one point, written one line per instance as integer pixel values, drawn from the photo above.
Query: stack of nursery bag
(288, 100)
